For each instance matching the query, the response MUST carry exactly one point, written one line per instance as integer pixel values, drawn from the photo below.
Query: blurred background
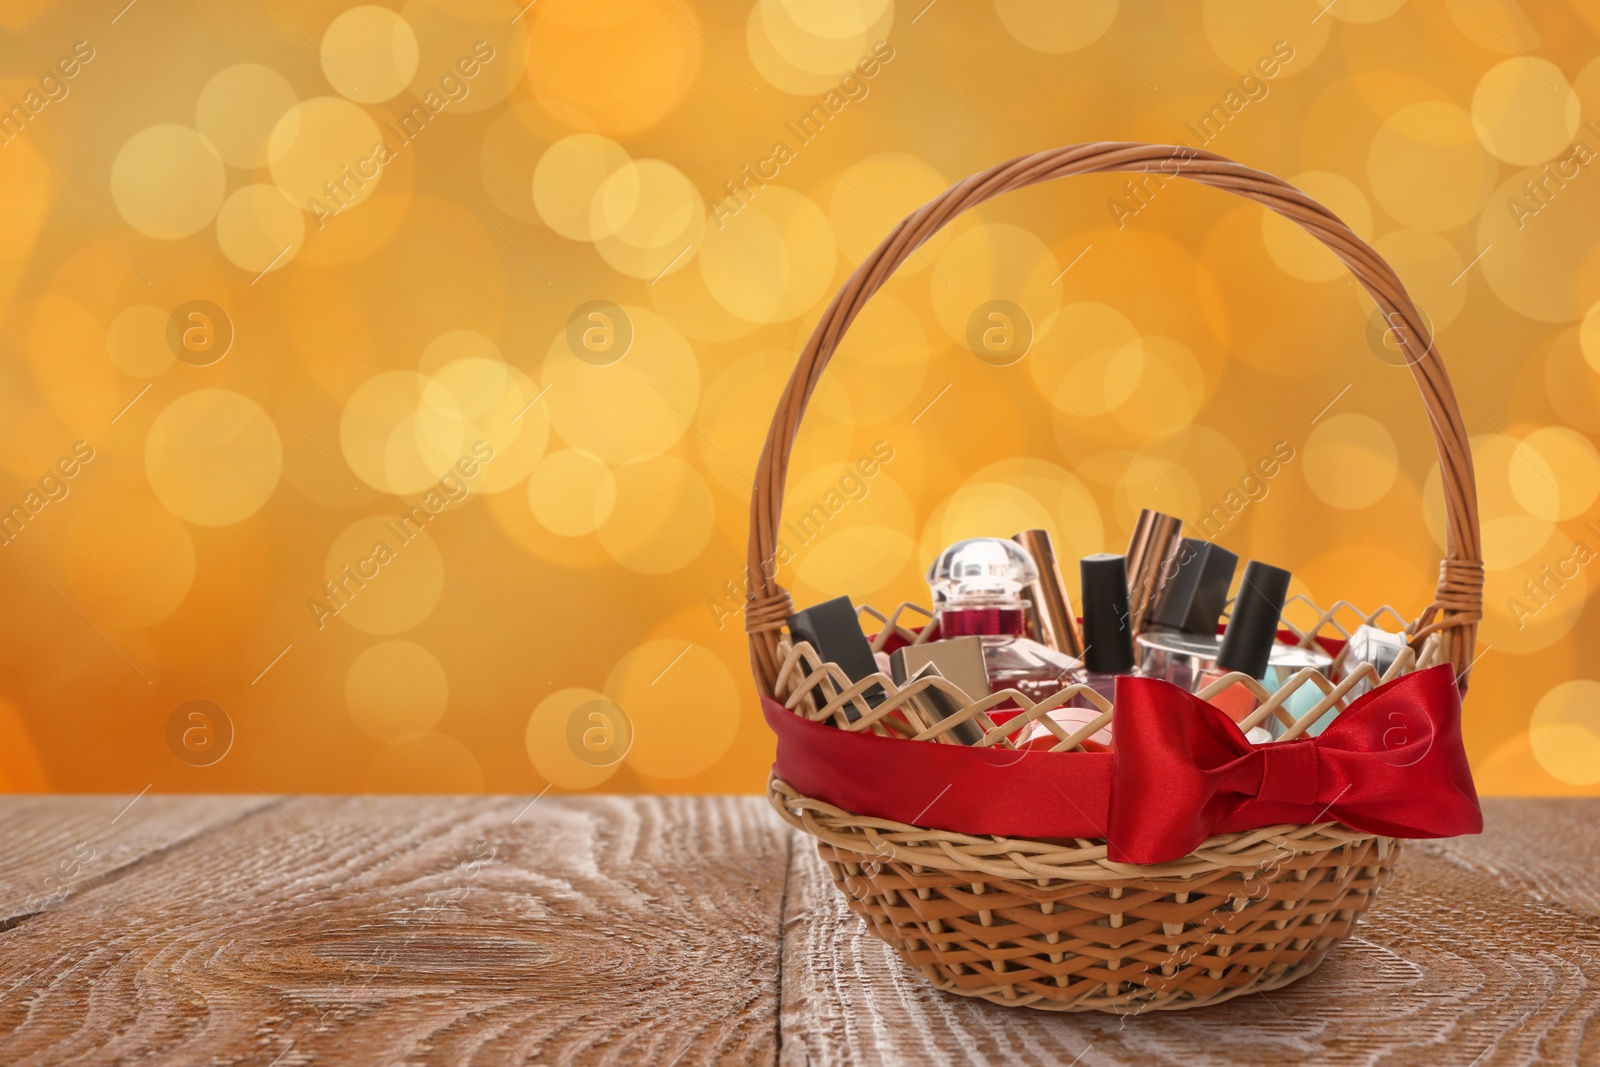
(381, 386)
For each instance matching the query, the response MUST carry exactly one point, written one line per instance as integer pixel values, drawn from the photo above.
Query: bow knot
(1391, 763)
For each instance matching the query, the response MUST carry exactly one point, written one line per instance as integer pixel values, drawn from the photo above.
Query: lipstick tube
(1152, 562)
(1055, 624)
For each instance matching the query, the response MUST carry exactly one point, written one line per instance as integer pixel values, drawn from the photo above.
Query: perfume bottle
(1181, 641)
(1368, 644)
(977, 584)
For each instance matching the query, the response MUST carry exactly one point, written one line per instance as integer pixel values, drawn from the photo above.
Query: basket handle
(1457, 605)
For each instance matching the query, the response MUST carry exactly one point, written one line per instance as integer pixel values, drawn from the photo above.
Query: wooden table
(655, 930)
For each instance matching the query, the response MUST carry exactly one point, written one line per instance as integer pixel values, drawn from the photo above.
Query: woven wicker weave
(1055, 924)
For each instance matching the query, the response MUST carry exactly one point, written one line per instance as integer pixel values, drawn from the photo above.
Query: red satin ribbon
(1392, 763)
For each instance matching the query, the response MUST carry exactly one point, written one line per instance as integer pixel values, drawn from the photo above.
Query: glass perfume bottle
(1369, 644)
(977, 584)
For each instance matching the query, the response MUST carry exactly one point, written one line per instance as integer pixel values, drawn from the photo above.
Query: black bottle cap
(1178, 585)
(1253, 626)
(832, 629)
(1107, 618)
(1192, 598)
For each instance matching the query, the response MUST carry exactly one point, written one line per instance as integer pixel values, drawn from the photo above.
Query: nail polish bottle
(1181, 641)
(1107, 622)
(1247, 642)
(1107, 645)
(977, 584)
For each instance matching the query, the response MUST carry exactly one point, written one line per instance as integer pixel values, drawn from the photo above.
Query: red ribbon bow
(1391, 763)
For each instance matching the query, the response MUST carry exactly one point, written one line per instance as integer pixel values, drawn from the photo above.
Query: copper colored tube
(1055, 623)
(1151, 562)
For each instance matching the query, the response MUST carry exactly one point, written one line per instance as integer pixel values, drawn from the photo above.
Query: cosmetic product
(1152, 552)
(1247, 642)
(936, 705)
(1038, 737)
(1107, 630)
(1368, 644)
(978, 584)
(1287, 661)
(959, 659)
(1181, 641)
(1054, 622)
(833, 630)
(1107, 646)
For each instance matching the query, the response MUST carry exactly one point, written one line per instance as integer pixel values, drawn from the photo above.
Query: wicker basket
(1055, 924)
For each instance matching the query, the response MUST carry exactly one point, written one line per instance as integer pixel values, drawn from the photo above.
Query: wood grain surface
(655, 930)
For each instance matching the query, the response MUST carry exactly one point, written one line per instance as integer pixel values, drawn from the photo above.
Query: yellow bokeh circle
(773, 260)
(137, 341)
(871, 198)
(396, 690)
(319, 149)
(548, 747)
(238, 108)
(632, 409)
(568, 176)
(1296, 251)
(1544, 262)
(1524, 111)
(1565, 732)
(1427, 168)
(498, 407)
(369, 53)
(213, 457)
(386, 576)
(647, 218)
(1087, 359)
(1245, 33)
(664, 685)
(260, 228)
(1589, 337)
(1554, 473)
(662, 518)
(572, 492)
(1350, 461)
(994, 261)
(1430, 268)
(167, 181)
(402, 431)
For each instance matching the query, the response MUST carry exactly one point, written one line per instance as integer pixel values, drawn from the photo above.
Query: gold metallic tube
(1055, 623)
(1152, 562)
